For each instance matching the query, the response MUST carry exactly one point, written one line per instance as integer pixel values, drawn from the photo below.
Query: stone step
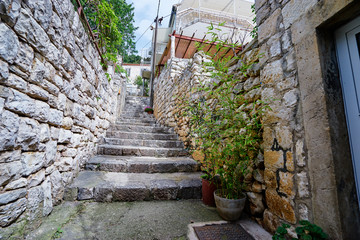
(135, 120)
(140, 129)
(146, 117)
(106, 149)
(145, 143)
(154, 124)
(132, 164)
(113, 186)
(145, 136)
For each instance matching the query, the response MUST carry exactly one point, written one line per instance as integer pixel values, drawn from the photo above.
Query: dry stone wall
(177, 84)
(307, 172)
(55, 105)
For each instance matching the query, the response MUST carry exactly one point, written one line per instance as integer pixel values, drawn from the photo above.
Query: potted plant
(227, 128)
(149, 110)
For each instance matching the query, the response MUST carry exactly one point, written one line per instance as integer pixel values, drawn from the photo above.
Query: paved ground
(125, 220)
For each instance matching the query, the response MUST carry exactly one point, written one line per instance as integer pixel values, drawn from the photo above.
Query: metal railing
(80, 11)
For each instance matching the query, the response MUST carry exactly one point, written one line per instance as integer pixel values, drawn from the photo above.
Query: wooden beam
(177, 45)
(190, 41)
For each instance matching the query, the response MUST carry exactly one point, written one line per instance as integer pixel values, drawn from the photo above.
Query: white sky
(145, 13)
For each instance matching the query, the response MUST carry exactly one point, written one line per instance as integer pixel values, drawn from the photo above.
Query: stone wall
(55, 105)
(307, 168)
(301, 135)
(177, 84)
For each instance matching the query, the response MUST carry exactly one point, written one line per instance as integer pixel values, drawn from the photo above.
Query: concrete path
(126, 220)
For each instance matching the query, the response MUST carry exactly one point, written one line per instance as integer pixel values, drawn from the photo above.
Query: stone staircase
(138, 160)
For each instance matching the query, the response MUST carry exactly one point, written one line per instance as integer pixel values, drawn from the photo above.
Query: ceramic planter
(229, 209)
(207, 190)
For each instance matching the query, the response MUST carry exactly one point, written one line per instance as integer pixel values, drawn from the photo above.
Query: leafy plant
(254, 32)
(224, 125)
(307, 231)
(139, 83)
(58, 233)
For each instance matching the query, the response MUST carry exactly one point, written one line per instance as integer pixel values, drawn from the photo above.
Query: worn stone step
(142, 117)
(135, 120)
(145, 143)
(113, 186)
(146, 136)
(132, 164)
(106, 149)
(141, 129)
(154, 124)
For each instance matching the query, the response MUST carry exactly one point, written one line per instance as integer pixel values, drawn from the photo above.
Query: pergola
(186, 47)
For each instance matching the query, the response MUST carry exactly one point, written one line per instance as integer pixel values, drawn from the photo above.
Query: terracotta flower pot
(149, 112)
(208, 189)
(229, 209)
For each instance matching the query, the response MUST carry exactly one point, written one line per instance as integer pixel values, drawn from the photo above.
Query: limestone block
(9, 213)
(9, 43)
(50, 152)
(48, 205)
(258, 175)
(274, 46)
(281, 206)
(42, 111)
(270, 179)
(67, 177)
(16, 82)
(25, 57)
(272, 72)
(37, 72)
(262, 14)
(62, 101)
(290, 166)
(10, 171)
(29, 134)
(55, 117)
(37, 92)
(32, 162)
(49, 170)
(286, 183)
(9, 11)
(256, 187)
(256, 203)
(271, 221)
(54, 133)
(270, 26)
(37, 178)
(10, 196)
(57, 187)
(294, 9)
(302, 185)
(303, 212)
(4, 71)
(42, 10)
(35, 200)
(70, 152)
(67, 123)
(300, 154)
(65, 136)
(9, 126)
(56, 31)
(273, 160)
(53, 54)
(30, 30)
(71, 92)
(66, 164)
(287, 83)
(19, 183)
